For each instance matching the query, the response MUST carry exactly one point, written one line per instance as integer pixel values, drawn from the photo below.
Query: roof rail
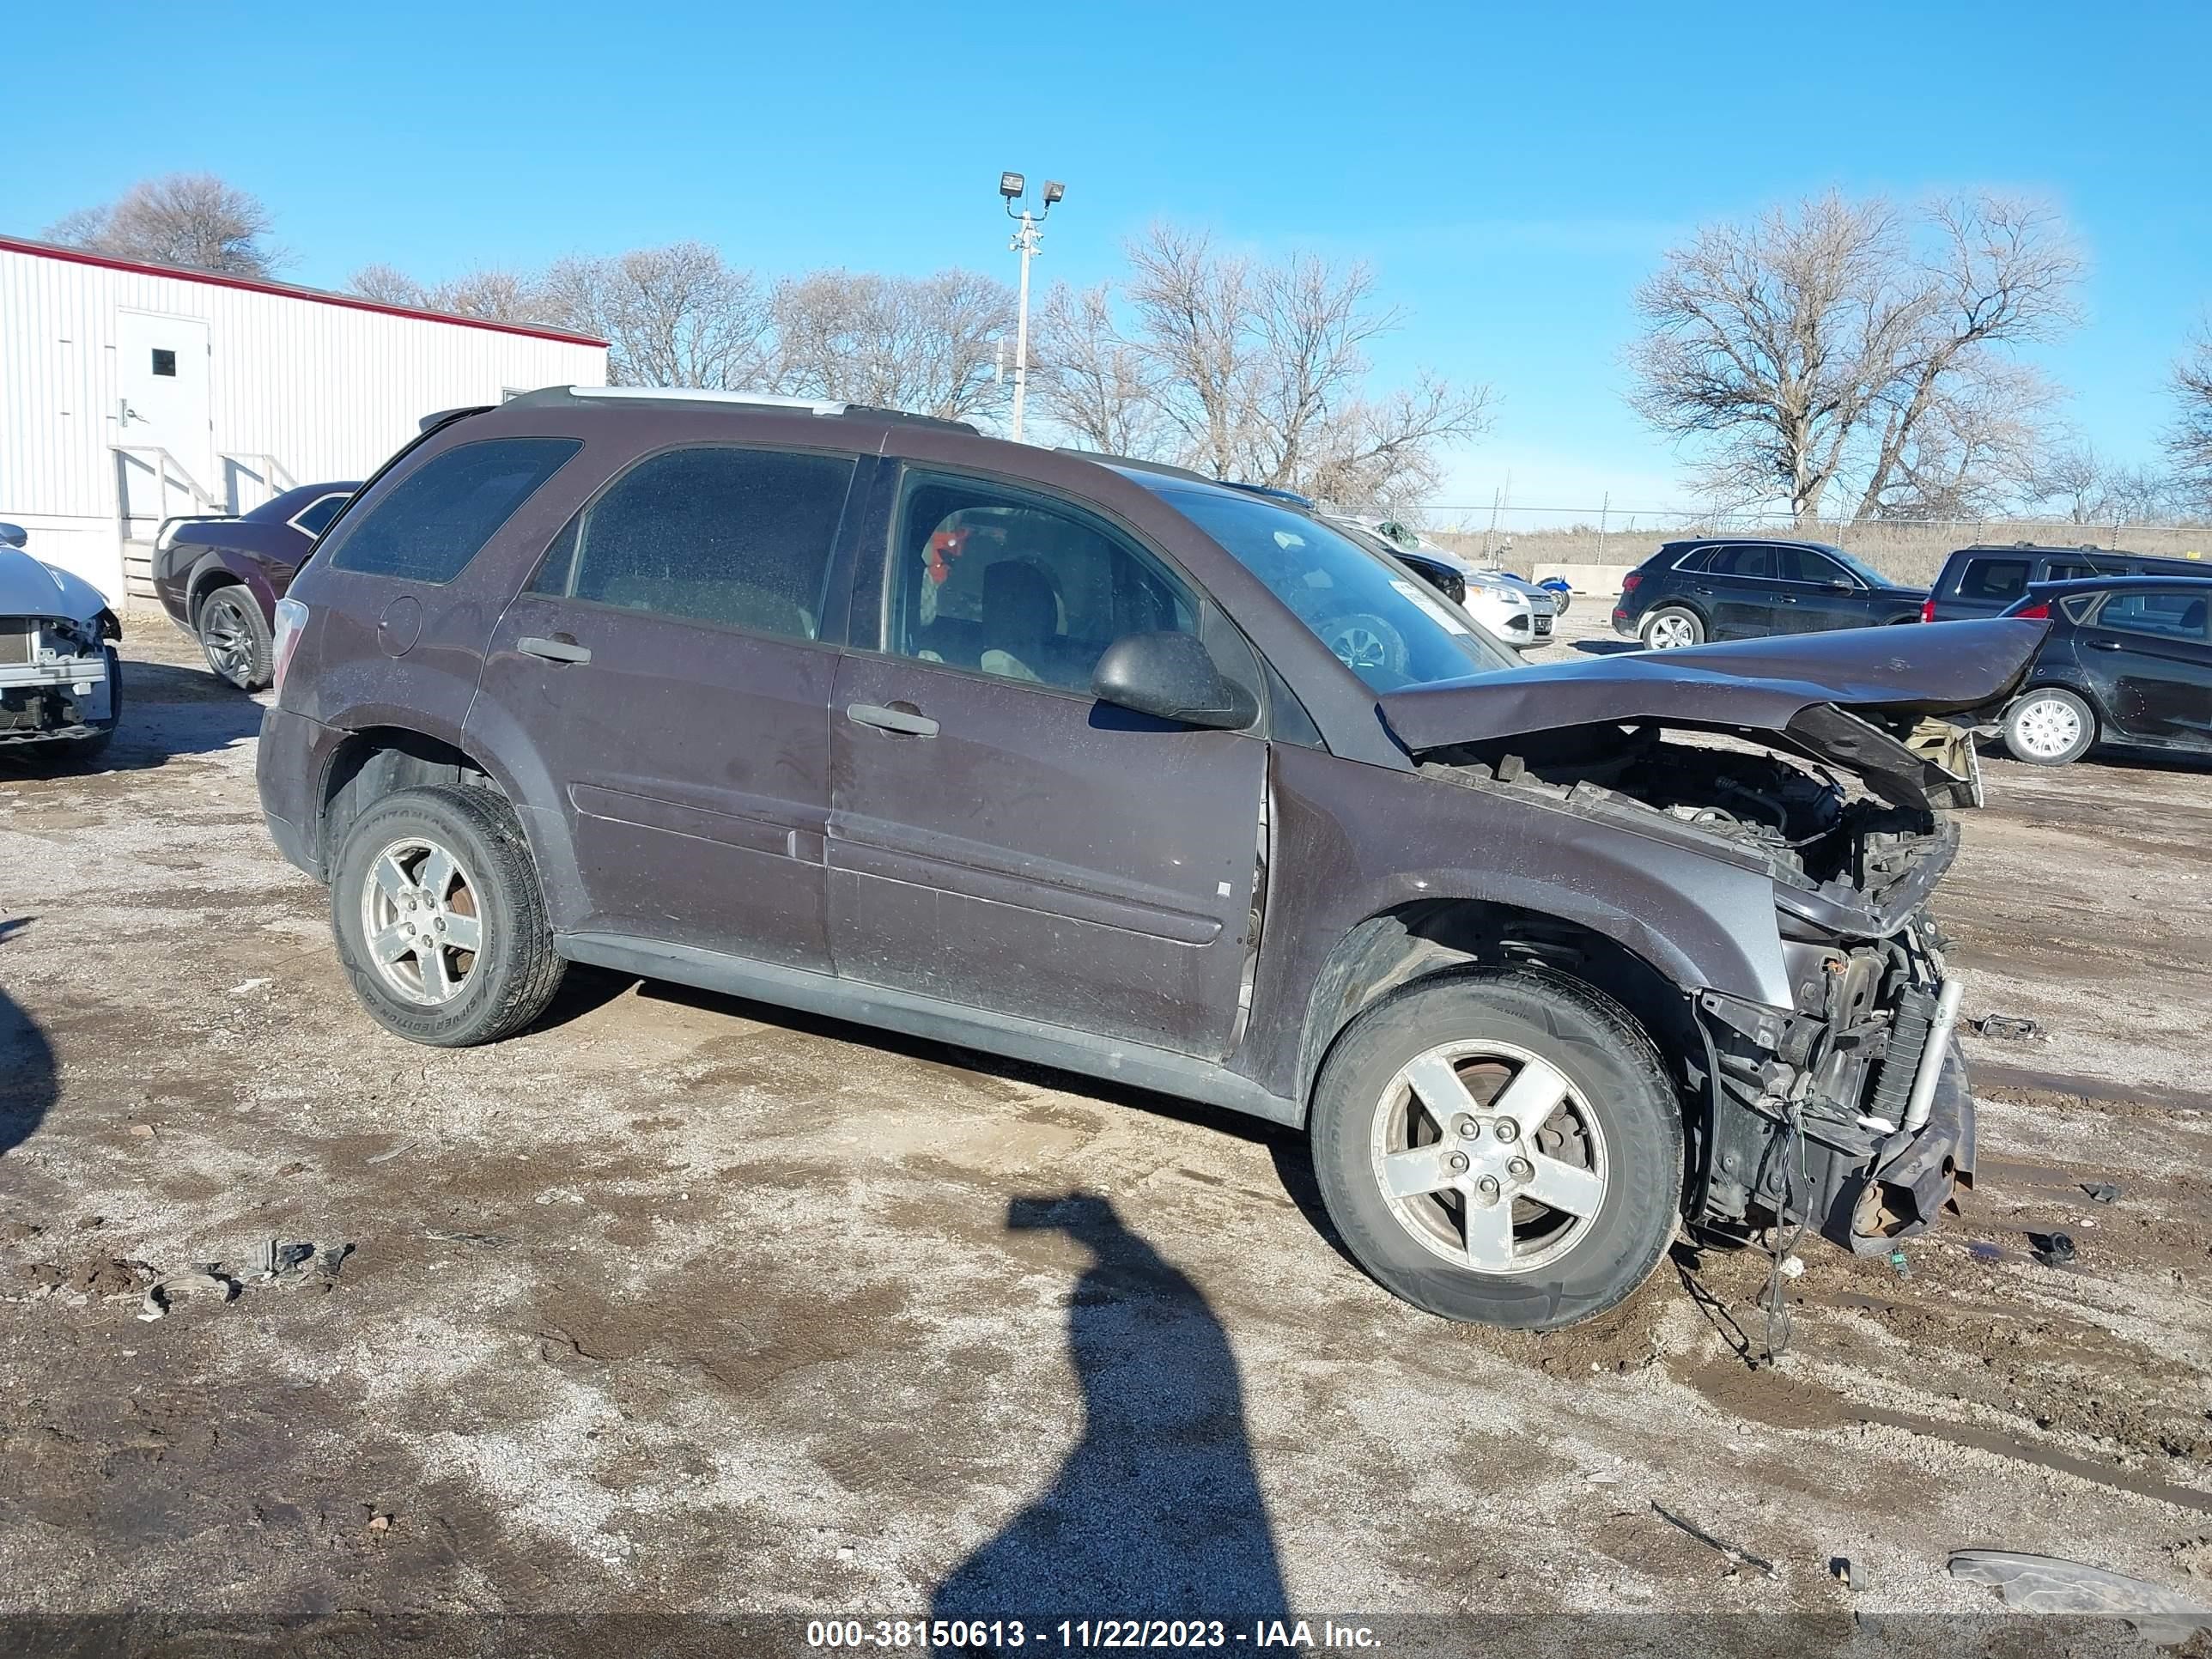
(826, 407)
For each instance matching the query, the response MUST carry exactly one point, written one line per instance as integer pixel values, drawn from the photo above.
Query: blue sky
(1512, 172)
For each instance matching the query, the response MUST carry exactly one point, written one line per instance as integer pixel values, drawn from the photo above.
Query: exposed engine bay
(1839, 1113)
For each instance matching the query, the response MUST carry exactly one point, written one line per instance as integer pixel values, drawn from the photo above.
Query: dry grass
(1903, 552)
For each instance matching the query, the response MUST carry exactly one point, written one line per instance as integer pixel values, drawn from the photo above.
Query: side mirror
(1842, 585)
(1172, 677)
(12, 535)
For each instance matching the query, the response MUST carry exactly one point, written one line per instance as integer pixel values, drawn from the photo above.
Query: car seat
(1021, 615)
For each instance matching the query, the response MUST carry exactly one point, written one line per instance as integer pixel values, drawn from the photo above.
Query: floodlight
(1054, 190)
(1010, 185)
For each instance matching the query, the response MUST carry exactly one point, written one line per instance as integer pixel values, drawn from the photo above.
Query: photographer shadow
(1157, 1511)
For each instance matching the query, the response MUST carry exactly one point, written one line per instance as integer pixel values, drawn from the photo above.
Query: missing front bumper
(1914, 1177)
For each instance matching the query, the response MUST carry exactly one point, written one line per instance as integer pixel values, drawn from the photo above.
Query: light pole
(1012, 187)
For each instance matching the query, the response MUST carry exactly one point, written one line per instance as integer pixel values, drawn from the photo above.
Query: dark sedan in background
(1734, 587)
(220, 578)
(2128, 661)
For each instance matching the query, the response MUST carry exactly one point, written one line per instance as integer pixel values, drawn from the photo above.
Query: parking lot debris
(283, 1258)
(386, 1155)
(250, 985)
(1899, 1263)
(1982, 1251)
(2052, 1249)
(2006, 1028)
(1846, 1571)
(1736, 1557)
(2048, 1583)
(163, 1291)
(333, 1258)
(2100, 1191)
(1793, 1267)
(144, 1131)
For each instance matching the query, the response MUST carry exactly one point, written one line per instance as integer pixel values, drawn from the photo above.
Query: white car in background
(61, 682)
(1517, 612)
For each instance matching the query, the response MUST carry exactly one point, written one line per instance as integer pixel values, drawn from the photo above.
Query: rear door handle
(905, 722)
(2102, 644)
(560, 648)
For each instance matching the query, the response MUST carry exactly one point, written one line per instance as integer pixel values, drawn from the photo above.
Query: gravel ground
(684, 1304)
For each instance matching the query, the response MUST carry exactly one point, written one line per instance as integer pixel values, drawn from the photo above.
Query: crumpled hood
(1810, 690)
(29, 587)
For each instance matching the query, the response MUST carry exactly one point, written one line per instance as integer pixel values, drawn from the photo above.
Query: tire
(1617, 1119)
(1366, 643)
(450, 997)
(2048, 726)
(235, 636)
(1670, 628)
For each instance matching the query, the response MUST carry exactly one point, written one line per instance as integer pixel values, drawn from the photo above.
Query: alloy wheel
(225, 635)
(420, 916)
(1669, 633)
(1487, 1156)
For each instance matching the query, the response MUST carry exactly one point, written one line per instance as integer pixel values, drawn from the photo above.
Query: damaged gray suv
(871, 716)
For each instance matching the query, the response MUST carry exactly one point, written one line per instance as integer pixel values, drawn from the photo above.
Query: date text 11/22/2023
(1082, 1635)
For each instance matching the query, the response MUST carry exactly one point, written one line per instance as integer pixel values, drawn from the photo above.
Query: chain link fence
(1904, 550)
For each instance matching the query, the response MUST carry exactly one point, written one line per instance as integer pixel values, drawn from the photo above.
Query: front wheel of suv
(1502, 1147)
(439, 920)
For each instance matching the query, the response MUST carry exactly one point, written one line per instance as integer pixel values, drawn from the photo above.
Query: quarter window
(438, 517)
(315, 518)
(739, 537)
(1015, 586)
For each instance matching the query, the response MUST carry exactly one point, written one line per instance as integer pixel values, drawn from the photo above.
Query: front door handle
(907, 722)
(559, 648)
(2102, 644)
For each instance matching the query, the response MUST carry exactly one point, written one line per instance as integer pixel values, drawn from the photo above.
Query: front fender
(1698, 922)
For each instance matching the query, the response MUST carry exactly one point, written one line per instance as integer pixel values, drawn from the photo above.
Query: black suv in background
(1733, 587)
(1984, 581)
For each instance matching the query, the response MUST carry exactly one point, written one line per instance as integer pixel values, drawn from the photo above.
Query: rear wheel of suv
(234, 636)
(1670, 627)
(439, 920)
(1502, 1147)
(2049, 727)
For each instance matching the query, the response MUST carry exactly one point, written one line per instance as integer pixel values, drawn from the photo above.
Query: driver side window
(1000, 582)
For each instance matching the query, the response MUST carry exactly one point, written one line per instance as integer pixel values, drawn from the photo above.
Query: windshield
(1383, 622)
(1859, 567)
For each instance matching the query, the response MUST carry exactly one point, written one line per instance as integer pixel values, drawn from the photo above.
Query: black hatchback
(1733, 588)
(2128, 661)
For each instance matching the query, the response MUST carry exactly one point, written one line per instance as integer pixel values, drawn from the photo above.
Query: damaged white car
(61, 679)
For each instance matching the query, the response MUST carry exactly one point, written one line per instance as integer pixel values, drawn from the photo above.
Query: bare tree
(1814, 345)
(191, 219)
(2073, 480)
(2190, 441)
(1103, 391)
(675, 316)
(922, 344)
(1260, 371)
(493, 294)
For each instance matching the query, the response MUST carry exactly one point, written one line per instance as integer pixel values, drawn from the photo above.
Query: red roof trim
(287, 290)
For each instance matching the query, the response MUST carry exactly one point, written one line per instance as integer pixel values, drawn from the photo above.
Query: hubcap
(1357, 647)
(223, 634)
(1670, 632)
(419, 914)
(2048, 727)
(1488, 1157)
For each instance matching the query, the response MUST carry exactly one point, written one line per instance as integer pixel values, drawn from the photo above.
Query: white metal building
(132, 391)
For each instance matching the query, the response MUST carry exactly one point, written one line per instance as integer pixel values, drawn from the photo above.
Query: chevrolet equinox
(868, 714)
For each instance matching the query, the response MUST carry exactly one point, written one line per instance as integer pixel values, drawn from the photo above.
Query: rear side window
(1742, 562)
(1999, 581)
(438, 517)
(2175, 614)
(2066, 570)
(316, 516)
(737, 538)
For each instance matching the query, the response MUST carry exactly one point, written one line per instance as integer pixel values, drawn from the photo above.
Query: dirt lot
(685, 1305)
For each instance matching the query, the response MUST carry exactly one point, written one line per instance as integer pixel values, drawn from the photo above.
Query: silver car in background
(61, 682)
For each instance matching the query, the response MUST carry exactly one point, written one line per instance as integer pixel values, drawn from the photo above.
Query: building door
(161, 388)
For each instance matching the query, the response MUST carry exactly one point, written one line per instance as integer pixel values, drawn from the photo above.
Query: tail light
(291, 621)
(1631, 583)
(2032, 613)
(1928, 609)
